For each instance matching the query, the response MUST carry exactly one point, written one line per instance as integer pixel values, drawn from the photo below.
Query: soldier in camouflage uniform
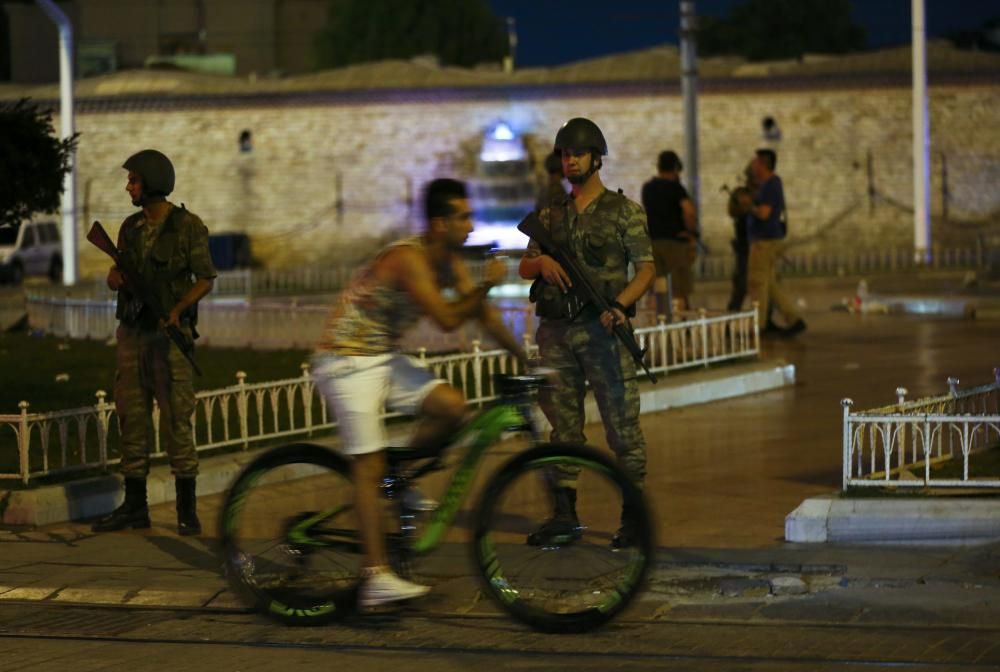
(168, 246)
(607, 232)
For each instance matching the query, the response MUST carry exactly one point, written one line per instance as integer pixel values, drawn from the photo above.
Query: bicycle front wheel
(290, 543)
(553, 577)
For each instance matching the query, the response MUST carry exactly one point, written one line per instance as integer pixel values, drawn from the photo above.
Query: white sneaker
(416, 500)
(385, 587)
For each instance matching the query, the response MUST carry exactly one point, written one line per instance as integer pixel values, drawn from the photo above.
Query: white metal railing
(900, 444)
(855, 262)
(262, 282)
(248, 413)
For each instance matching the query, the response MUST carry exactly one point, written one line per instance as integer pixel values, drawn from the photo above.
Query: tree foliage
(761, 30)
(985, 38)
(34, 161)
(458, 32)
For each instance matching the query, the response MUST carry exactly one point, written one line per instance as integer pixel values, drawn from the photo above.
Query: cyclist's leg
(367, 471)
(441, 414)
(439, 407)
(356, 388)
(415, 391)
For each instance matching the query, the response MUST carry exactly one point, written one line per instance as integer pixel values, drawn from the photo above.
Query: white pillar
(921, 139)
(69, 228)
(689, 93)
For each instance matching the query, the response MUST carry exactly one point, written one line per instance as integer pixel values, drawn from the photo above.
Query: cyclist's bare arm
(411, 270)
(488, 315)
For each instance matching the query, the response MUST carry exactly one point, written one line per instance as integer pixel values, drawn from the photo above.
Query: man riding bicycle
(359, 368)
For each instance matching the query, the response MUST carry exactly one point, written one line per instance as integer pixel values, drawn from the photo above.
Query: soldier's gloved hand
(553, 273)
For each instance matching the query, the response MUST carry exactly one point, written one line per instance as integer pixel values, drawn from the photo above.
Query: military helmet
(579, 133)
(156, 170)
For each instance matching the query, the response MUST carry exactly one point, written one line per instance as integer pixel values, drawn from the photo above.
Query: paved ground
(727, 592)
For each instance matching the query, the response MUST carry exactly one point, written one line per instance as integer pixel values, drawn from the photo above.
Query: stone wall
(328, 176)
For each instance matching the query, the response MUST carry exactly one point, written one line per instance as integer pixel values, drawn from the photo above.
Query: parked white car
(34, 248)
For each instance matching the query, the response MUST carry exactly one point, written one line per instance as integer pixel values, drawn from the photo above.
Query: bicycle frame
(479, 433)
(484, 430)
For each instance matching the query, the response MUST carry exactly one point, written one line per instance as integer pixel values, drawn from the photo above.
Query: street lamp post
(921, 139)
(689, 93)
(69, 228)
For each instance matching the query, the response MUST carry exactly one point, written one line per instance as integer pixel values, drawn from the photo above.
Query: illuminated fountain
(502, 190)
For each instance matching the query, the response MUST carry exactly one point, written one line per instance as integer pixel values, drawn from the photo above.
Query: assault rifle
(532, 227)
(133, 283)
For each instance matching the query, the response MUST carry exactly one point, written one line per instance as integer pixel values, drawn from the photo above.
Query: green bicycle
(291, 546)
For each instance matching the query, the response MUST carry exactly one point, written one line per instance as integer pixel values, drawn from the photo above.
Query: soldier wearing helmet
(607, 232)
(168, 246)
(552, 191)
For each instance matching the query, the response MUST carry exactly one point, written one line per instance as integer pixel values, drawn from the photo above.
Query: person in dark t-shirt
(766, 230)
(673, 229)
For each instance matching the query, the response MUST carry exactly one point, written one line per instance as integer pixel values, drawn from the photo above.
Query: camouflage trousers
(583, 351)
(151, 367)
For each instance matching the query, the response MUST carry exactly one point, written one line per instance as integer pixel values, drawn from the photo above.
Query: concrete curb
(941, 520)
(92, 497)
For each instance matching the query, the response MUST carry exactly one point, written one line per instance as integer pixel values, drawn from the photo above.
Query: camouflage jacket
(170, 256)
(607, 236)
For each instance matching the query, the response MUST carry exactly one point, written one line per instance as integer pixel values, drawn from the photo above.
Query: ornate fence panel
(901, 445)
(244, 414)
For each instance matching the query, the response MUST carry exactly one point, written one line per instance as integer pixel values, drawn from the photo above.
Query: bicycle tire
(292, 579)
(550, 588)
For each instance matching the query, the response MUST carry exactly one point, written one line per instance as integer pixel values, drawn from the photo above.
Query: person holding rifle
(167, 247)
(606, 232)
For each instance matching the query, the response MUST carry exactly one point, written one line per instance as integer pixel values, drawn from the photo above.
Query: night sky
(560, 31)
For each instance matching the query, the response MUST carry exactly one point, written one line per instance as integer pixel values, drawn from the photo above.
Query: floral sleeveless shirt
(370, 317)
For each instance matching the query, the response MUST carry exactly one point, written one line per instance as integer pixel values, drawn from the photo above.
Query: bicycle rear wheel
(290, 543)
(570, 584)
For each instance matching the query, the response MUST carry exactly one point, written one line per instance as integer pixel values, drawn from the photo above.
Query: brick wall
(372, 157)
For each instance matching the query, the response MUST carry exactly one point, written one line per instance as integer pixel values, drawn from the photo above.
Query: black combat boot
(134, 511)
(564, 526)
(625, 536)
(187, 509)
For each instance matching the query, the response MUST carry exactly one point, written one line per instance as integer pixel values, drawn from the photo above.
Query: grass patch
(29, 366)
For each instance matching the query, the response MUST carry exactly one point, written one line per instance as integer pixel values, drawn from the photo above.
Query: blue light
(501, 144)
(502, 132)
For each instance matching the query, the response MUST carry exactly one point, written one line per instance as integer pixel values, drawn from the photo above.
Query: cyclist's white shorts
(358, 388)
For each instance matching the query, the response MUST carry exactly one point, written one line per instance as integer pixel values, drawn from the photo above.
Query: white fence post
(241, 408)
(23, 441)
(846, 404)
(103, 414)
(703, 326)
(306, 395)
(477, 373)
